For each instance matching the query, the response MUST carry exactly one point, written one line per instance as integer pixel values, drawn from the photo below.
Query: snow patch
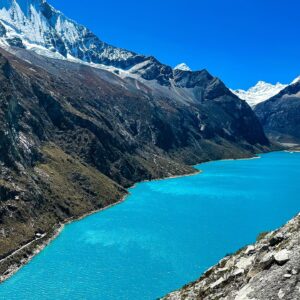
(183, 67)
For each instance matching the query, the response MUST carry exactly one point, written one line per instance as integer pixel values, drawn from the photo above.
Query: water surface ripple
(165, 234)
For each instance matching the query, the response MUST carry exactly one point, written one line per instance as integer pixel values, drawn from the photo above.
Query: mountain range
(278, 109)
(280, 115)
(82, 120)
(36, 25)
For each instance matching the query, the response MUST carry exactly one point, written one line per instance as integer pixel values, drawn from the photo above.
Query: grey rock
(294, 272)
(267, 260)
(281, 294)
(282, 257)
(264, 279)
(250, 250)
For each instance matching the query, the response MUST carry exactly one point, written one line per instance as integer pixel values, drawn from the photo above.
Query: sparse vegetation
(261, 236)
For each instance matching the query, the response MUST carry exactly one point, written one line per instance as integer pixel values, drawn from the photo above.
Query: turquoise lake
(165, 234)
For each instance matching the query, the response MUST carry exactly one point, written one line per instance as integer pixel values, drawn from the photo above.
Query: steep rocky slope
(73, 137)
(280, 115)
(269, 269)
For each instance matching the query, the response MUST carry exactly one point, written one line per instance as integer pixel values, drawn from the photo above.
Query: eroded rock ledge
(269, 269)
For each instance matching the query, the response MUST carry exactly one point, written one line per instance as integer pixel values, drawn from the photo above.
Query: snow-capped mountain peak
(36, 25)
(260, 92)
(182, 67)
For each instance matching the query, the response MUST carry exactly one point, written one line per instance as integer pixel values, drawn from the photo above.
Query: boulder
(267, 260)
(281, 294)
(250, 250)
(238, 272)
(294, 272)
(282, 257)
(276, 239)
(245, 262)
(217, 283)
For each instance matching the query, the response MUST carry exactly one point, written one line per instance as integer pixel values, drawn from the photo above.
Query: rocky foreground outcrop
(269, 269)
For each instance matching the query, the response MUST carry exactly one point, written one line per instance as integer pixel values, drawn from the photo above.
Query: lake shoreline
(42, 243)
(230, 276)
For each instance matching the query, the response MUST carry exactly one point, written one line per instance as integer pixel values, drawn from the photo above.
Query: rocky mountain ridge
(280, 115)
(269, 269)
(37, 26)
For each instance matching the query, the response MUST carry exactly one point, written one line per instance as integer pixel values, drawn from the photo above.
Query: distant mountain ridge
(261, 92)
(280, 115)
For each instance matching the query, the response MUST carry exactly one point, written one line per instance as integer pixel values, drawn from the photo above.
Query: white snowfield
(262, 91)
(41, 27)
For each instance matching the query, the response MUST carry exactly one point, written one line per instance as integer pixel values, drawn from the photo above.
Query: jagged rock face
(270, 269)
(36, 25)
(280, 116)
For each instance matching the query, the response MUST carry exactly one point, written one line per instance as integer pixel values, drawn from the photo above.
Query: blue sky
(239, 41)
